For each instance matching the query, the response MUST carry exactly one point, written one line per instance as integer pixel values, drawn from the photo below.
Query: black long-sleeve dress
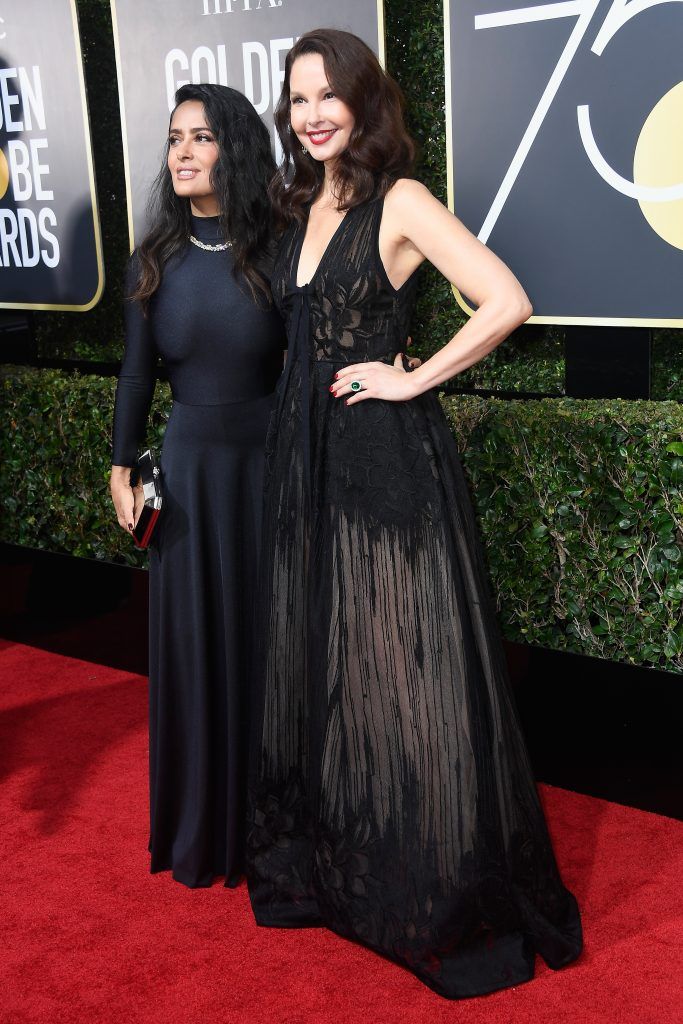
(391, 798)
(223, 355)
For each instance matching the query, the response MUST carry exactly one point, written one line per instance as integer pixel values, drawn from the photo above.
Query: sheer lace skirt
(391, 795)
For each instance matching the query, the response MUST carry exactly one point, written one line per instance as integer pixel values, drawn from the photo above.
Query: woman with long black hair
(199, 297)
(391, 797)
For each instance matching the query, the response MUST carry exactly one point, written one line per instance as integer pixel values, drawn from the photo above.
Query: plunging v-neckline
(297, 254)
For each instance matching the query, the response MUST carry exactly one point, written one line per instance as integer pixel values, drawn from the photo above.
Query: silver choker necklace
(221, 247)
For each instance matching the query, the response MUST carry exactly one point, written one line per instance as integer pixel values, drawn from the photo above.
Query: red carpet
(90, 936)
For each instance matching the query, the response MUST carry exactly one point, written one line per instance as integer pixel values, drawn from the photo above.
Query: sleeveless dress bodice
(355, 313)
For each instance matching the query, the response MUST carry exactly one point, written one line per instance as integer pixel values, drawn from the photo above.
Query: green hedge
(55, 459)
(580, 504)
(581, 509)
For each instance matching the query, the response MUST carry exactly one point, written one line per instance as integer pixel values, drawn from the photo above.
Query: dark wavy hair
(240, 179)
(380, 150)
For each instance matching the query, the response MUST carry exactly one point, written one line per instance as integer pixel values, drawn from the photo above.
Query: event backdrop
(163, 44)
(566, 151)
(50, 247)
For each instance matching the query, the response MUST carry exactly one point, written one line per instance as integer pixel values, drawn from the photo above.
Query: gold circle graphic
(658, 162)
(4, 174)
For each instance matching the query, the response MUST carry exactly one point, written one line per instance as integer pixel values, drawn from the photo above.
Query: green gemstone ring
(356, 385)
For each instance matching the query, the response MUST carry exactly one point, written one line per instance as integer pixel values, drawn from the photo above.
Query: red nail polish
(346, 401)
(336, 376)
(332, 388)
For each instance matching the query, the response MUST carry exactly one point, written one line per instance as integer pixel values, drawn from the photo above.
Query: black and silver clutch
(149, 475)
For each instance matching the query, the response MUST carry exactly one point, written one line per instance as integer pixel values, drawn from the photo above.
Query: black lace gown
(391, 797)
(223, 356)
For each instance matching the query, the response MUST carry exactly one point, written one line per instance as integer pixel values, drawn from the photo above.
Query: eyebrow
(299, 95)
(193, 131)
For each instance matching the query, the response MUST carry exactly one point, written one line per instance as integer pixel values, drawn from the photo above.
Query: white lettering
(46, 215)
(7, 101)
(29, 99)
(23, 227)
(643, 193)
(172, 83)
(236, 5)
(8, 238)
(28, 230)
(19, 159)
(203, 64)
(277, 71)
(526, 15)
(620, 12)
(249, 51)
(27, 170)
(222, 65)
(32, 96)
(203, 55)
(38, 170)
(583, 10)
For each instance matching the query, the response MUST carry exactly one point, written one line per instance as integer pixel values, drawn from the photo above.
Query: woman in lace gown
(391, 797)
(201, 301)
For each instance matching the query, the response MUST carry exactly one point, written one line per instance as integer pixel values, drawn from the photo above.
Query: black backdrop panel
(162, 44)
(50, 248)
(567, 154)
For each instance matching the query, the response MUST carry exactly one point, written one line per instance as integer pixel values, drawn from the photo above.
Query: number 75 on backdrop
(565, 151)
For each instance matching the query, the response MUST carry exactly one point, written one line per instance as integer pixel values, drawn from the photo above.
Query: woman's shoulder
(409, 205)
(406, 191)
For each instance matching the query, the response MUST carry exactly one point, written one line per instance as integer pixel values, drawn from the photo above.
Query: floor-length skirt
(391, 797)
(202, 586)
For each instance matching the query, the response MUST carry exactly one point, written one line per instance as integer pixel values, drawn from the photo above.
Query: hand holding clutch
(149, 476)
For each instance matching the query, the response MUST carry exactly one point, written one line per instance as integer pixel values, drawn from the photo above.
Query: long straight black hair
(239, 178)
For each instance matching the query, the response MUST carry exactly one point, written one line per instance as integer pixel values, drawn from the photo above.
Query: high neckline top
(207, 229)
(218, 344)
